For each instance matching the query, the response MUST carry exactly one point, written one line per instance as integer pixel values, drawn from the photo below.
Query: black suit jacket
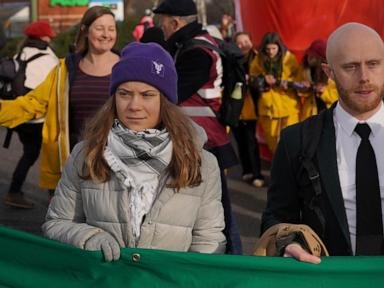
(291, 188)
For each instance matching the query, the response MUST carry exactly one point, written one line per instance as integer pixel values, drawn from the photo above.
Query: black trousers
(248, 148)
(31, 138)
(226, 157)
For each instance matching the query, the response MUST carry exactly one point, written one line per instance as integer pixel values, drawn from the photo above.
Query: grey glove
(105, 242)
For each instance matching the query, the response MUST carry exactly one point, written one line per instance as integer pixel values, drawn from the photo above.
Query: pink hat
(39, 29)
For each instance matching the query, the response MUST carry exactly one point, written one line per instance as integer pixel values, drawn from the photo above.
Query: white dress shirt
(347, 142)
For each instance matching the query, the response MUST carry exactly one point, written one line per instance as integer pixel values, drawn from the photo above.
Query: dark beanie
(148, 63)
(176, 8)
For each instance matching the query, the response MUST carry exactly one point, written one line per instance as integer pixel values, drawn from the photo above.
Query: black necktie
(369, 223)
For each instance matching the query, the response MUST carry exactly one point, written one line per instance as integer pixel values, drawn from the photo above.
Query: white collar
(348, 122)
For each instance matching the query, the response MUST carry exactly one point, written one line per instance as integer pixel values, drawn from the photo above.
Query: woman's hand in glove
(105, 242)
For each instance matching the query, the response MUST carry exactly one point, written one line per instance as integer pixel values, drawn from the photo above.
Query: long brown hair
(184, 168)
(81, 42)
(271, 38)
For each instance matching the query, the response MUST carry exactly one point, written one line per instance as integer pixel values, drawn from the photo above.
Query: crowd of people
(133, 154)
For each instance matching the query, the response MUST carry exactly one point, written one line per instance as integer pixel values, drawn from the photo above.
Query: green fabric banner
(27, 260)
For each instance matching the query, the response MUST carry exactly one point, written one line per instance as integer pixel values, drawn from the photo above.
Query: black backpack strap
(30, 59)
(34, 57)
(311, 130)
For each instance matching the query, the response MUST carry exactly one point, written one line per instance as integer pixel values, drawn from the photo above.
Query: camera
(258, 83)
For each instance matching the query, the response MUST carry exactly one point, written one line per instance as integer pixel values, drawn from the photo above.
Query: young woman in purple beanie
(141, 177)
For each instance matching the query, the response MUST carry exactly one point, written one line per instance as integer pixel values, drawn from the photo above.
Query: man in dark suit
(355, 56)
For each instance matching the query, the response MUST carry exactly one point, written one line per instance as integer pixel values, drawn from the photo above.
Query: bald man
(355, 56)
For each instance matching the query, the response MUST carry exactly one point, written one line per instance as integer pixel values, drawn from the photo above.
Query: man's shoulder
(194, 53)
(311, 122)
(200, 41)
(305, 135)
(292, 131)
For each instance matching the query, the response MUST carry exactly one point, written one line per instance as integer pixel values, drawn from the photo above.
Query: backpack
(310, 132)
(234, 78)
(12, 76)
(12, 79)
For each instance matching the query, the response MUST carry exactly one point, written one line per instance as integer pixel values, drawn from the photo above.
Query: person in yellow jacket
(274, 68)
(73, 91)
(318, 92)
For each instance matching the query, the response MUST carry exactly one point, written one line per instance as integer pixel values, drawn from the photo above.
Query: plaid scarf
(138, 159)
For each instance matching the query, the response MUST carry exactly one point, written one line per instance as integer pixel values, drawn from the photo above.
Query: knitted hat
(39, 29)
(148, 63)
(176, 8)
(317, 49)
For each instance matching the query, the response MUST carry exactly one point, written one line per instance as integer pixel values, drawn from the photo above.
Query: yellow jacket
(308, 100)
(49, 100)
(248, 112)
(276, 102)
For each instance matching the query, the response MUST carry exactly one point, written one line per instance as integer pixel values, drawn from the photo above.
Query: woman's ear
(328, 70)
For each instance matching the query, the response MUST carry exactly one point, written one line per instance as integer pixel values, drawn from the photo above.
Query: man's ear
(176, 23)
(328, 70)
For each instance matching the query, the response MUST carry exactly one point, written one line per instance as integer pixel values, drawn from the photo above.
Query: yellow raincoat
(308, 99)
(277, 108)
(49, 100)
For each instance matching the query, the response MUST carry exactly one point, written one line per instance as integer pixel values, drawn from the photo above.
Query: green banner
(69, 3)
(27, 260)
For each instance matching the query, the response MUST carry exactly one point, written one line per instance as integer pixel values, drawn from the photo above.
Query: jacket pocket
(170, 237)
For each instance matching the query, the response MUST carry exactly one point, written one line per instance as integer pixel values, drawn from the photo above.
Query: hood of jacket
(202, 137)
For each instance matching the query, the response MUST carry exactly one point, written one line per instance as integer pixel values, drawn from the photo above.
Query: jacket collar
(72, 61)
(327, 159)
(36, 43)
(182, 35)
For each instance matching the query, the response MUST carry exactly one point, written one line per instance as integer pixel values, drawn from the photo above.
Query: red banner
(299, 22)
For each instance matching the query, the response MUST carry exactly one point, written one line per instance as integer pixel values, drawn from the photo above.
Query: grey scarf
(138, 159)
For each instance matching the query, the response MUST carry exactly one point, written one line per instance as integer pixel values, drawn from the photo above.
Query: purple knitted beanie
(149, 63)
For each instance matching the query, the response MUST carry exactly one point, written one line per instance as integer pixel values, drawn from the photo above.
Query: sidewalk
(28, 220)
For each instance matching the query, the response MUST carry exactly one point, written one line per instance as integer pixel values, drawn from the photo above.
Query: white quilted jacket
(189, 220)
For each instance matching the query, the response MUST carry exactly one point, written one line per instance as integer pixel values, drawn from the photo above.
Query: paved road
(247, 201)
